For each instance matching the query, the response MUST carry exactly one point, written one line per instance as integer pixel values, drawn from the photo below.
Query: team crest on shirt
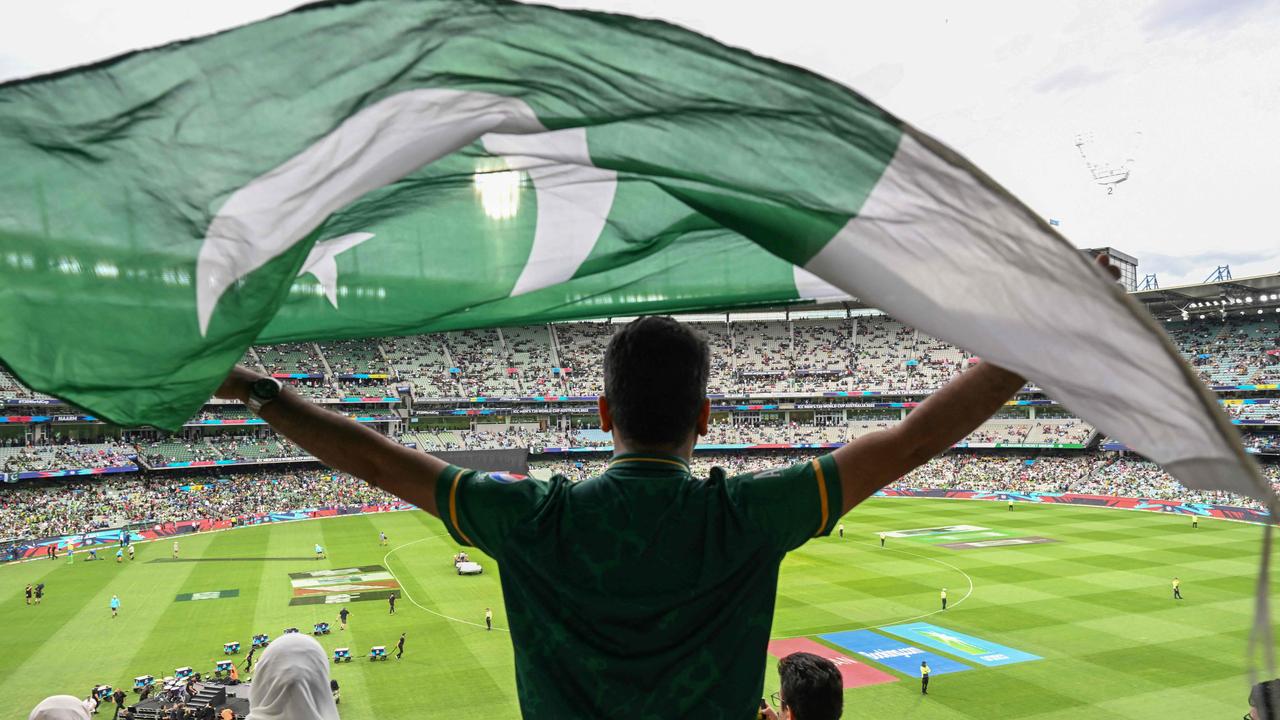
(506, 478)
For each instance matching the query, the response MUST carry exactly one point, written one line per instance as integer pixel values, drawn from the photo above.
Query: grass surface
(1096, 606)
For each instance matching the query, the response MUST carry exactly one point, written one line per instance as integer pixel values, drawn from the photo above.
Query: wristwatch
(263, 391)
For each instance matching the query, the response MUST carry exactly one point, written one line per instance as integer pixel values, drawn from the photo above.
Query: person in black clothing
(29, 593)
(248, 661)
(392, 599)
(39, 592)
(118, 696)
(400, 647)
(342, 615)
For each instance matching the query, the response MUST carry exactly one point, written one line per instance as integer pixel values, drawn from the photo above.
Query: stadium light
(1201, 317)
(1249, 299)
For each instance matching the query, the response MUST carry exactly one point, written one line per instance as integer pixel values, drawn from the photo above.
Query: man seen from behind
(645, 592)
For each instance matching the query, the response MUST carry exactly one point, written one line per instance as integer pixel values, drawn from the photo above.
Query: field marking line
(405, 591)
(967, 593)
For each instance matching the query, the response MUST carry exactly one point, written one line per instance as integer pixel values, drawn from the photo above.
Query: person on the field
(650, 636)
(292, 682)
(248, 661)
(488, 618)
(1195, 521)
(391, 600)
(840, 528)
(118, 697)
(342, 618)
(30, 592)
(93, 554)
(119, 555)
(175, 549)
(130, 551)
(812, 688)
(924, 678)
(319, 551)
(1177, 589)
(60, 707)
(1264, 701)
(39, 592)
(115, 606)
(882, 537)
(944, 598)
(382, 538)
(400, 647)
(1010, 506)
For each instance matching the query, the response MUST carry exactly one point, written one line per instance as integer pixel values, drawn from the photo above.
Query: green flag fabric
(386, 167)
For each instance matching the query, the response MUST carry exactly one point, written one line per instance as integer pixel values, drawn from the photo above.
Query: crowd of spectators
(747, 356)
(60, 508)
(66, 508)
(17, 458)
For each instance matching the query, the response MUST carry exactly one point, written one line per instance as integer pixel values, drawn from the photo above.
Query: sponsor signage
(37, 474)
(943, 530)
(963, 537)
(1002, 542)
(976, 650)
(211, 595)
(893, 653)
(341, 586)
(855, 674)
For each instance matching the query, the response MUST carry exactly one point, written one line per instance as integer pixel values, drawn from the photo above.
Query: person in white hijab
(59, 707)
(292, 682)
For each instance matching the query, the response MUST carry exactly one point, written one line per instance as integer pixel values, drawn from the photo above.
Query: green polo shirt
(643, 593)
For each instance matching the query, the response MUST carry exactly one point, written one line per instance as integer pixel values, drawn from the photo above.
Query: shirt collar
(648, 461)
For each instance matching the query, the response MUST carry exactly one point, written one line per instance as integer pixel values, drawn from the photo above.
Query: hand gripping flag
(359, 169)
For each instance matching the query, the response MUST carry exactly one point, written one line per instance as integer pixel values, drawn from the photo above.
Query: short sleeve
(791, 504)
(480, 509)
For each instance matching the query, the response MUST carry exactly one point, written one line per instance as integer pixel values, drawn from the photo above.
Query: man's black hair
(655, 379)
(1265, 697)
(811, 687)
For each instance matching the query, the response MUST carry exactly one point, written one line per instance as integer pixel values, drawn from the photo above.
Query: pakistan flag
(387, 167)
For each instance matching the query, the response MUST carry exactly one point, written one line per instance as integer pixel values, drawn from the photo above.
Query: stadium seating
(581, 349)
(423, 362)
(290, 358)
(529, 351)
(354, 356)
(482, 362)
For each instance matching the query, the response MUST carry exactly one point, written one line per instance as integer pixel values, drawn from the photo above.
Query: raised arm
(875, 460)
(344, 444)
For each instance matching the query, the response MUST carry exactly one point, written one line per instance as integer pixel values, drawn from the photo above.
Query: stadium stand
(580, 346)
(354, 356)
(529, 350)
(290, 358)
(482, 363)
(423, 362)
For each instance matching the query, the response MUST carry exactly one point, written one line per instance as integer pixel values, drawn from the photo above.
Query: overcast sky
(1185, 94)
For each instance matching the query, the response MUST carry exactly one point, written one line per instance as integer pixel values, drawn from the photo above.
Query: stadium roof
(1238, 296)
(1255, 295)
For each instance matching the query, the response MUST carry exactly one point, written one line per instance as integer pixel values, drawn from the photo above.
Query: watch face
(266, 388)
